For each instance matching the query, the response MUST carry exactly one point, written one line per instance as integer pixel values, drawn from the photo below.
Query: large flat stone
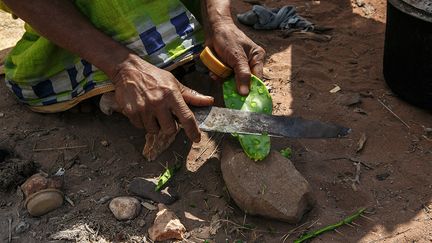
(272, 188)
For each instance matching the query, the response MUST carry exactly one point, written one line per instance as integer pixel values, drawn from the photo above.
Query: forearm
(62, 23)
(217, 11)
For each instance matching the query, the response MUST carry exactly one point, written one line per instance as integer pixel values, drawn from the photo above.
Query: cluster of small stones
(256, 147)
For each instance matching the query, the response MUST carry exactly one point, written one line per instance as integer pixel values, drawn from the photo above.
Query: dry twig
(355, 160)
(394, 114)
(356, 180)
(10, 230)
(60, 148)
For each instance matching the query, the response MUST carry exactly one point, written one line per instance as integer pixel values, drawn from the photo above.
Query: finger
(256, 61)
(135, 119)
(187, 120)
(150, 123)
(242, 75)
(192, 97)
(166, 122)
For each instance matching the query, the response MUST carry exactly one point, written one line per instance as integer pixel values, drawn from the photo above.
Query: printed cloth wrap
(48, 78)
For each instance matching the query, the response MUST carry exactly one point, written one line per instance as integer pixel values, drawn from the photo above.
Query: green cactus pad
(256, 147)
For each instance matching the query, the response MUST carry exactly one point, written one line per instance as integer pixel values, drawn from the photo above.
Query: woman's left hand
(238, 51)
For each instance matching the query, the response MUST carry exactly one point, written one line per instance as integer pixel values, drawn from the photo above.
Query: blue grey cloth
(262, 18)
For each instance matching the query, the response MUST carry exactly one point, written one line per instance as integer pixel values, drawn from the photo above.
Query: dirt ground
(396, 188)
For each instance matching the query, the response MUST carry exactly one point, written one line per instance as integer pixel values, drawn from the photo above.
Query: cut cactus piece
(256, 147)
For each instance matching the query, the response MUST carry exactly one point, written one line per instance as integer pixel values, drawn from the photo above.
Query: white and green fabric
(161, 32)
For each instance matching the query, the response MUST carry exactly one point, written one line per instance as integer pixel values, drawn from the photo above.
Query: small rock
(428, 131)
(272, 188)
(149, 206)
(145, 188)
(367, 94)
(22, 227)
(383, 176)
(103, 200)
(360, 111)
(361, 143)
(125, 208)
(141, 223)
(359, 3)
(349, 99)
(41, 181)
(166, 226)
(368, 10)
(336, 89)
(105, 143)
(2, 114)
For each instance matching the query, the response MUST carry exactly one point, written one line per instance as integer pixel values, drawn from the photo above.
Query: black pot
(408, 50)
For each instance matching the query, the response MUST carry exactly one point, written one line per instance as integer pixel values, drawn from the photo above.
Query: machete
(224, 120)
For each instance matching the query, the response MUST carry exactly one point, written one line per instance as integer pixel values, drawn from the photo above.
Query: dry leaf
(156, 144)
(361, 142)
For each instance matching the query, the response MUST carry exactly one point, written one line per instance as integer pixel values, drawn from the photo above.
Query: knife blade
(224, 120)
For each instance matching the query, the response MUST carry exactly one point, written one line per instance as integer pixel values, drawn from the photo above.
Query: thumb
(194, 98)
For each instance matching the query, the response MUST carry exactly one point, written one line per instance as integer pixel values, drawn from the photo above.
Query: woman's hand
(153, 99)
(231, 45)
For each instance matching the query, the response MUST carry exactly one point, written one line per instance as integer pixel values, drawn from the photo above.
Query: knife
(224, 120)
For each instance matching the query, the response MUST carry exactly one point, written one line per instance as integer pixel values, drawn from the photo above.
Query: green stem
(331, 227)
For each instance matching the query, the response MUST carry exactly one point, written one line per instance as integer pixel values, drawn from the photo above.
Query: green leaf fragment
(256, 147)
(287, 153)
(345, 221)
(166, 176)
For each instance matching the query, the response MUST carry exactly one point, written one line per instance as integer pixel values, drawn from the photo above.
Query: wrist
(132, 62)
(218, 12)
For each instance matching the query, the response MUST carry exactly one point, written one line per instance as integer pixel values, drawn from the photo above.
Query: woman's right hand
(153, 99)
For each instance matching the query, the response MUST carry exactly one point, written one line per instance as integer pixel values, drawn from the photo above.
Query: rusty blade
(216, 119)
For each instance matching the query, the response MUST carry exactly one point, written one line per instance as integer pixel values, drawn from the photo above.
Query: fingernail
(244, 90)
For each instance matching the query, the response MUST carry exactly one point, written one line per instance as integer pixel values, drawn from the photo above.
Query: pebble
(166, 226)
(125, 208)
(105, 143)
(383, 176)
(141, 223)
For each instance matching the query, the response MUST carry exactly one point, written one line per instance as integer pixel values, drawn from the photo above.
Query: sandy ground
(396, 189)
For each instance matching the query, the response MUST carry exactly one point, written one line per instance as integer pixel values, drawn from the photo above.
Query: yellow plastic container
(214, 64)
